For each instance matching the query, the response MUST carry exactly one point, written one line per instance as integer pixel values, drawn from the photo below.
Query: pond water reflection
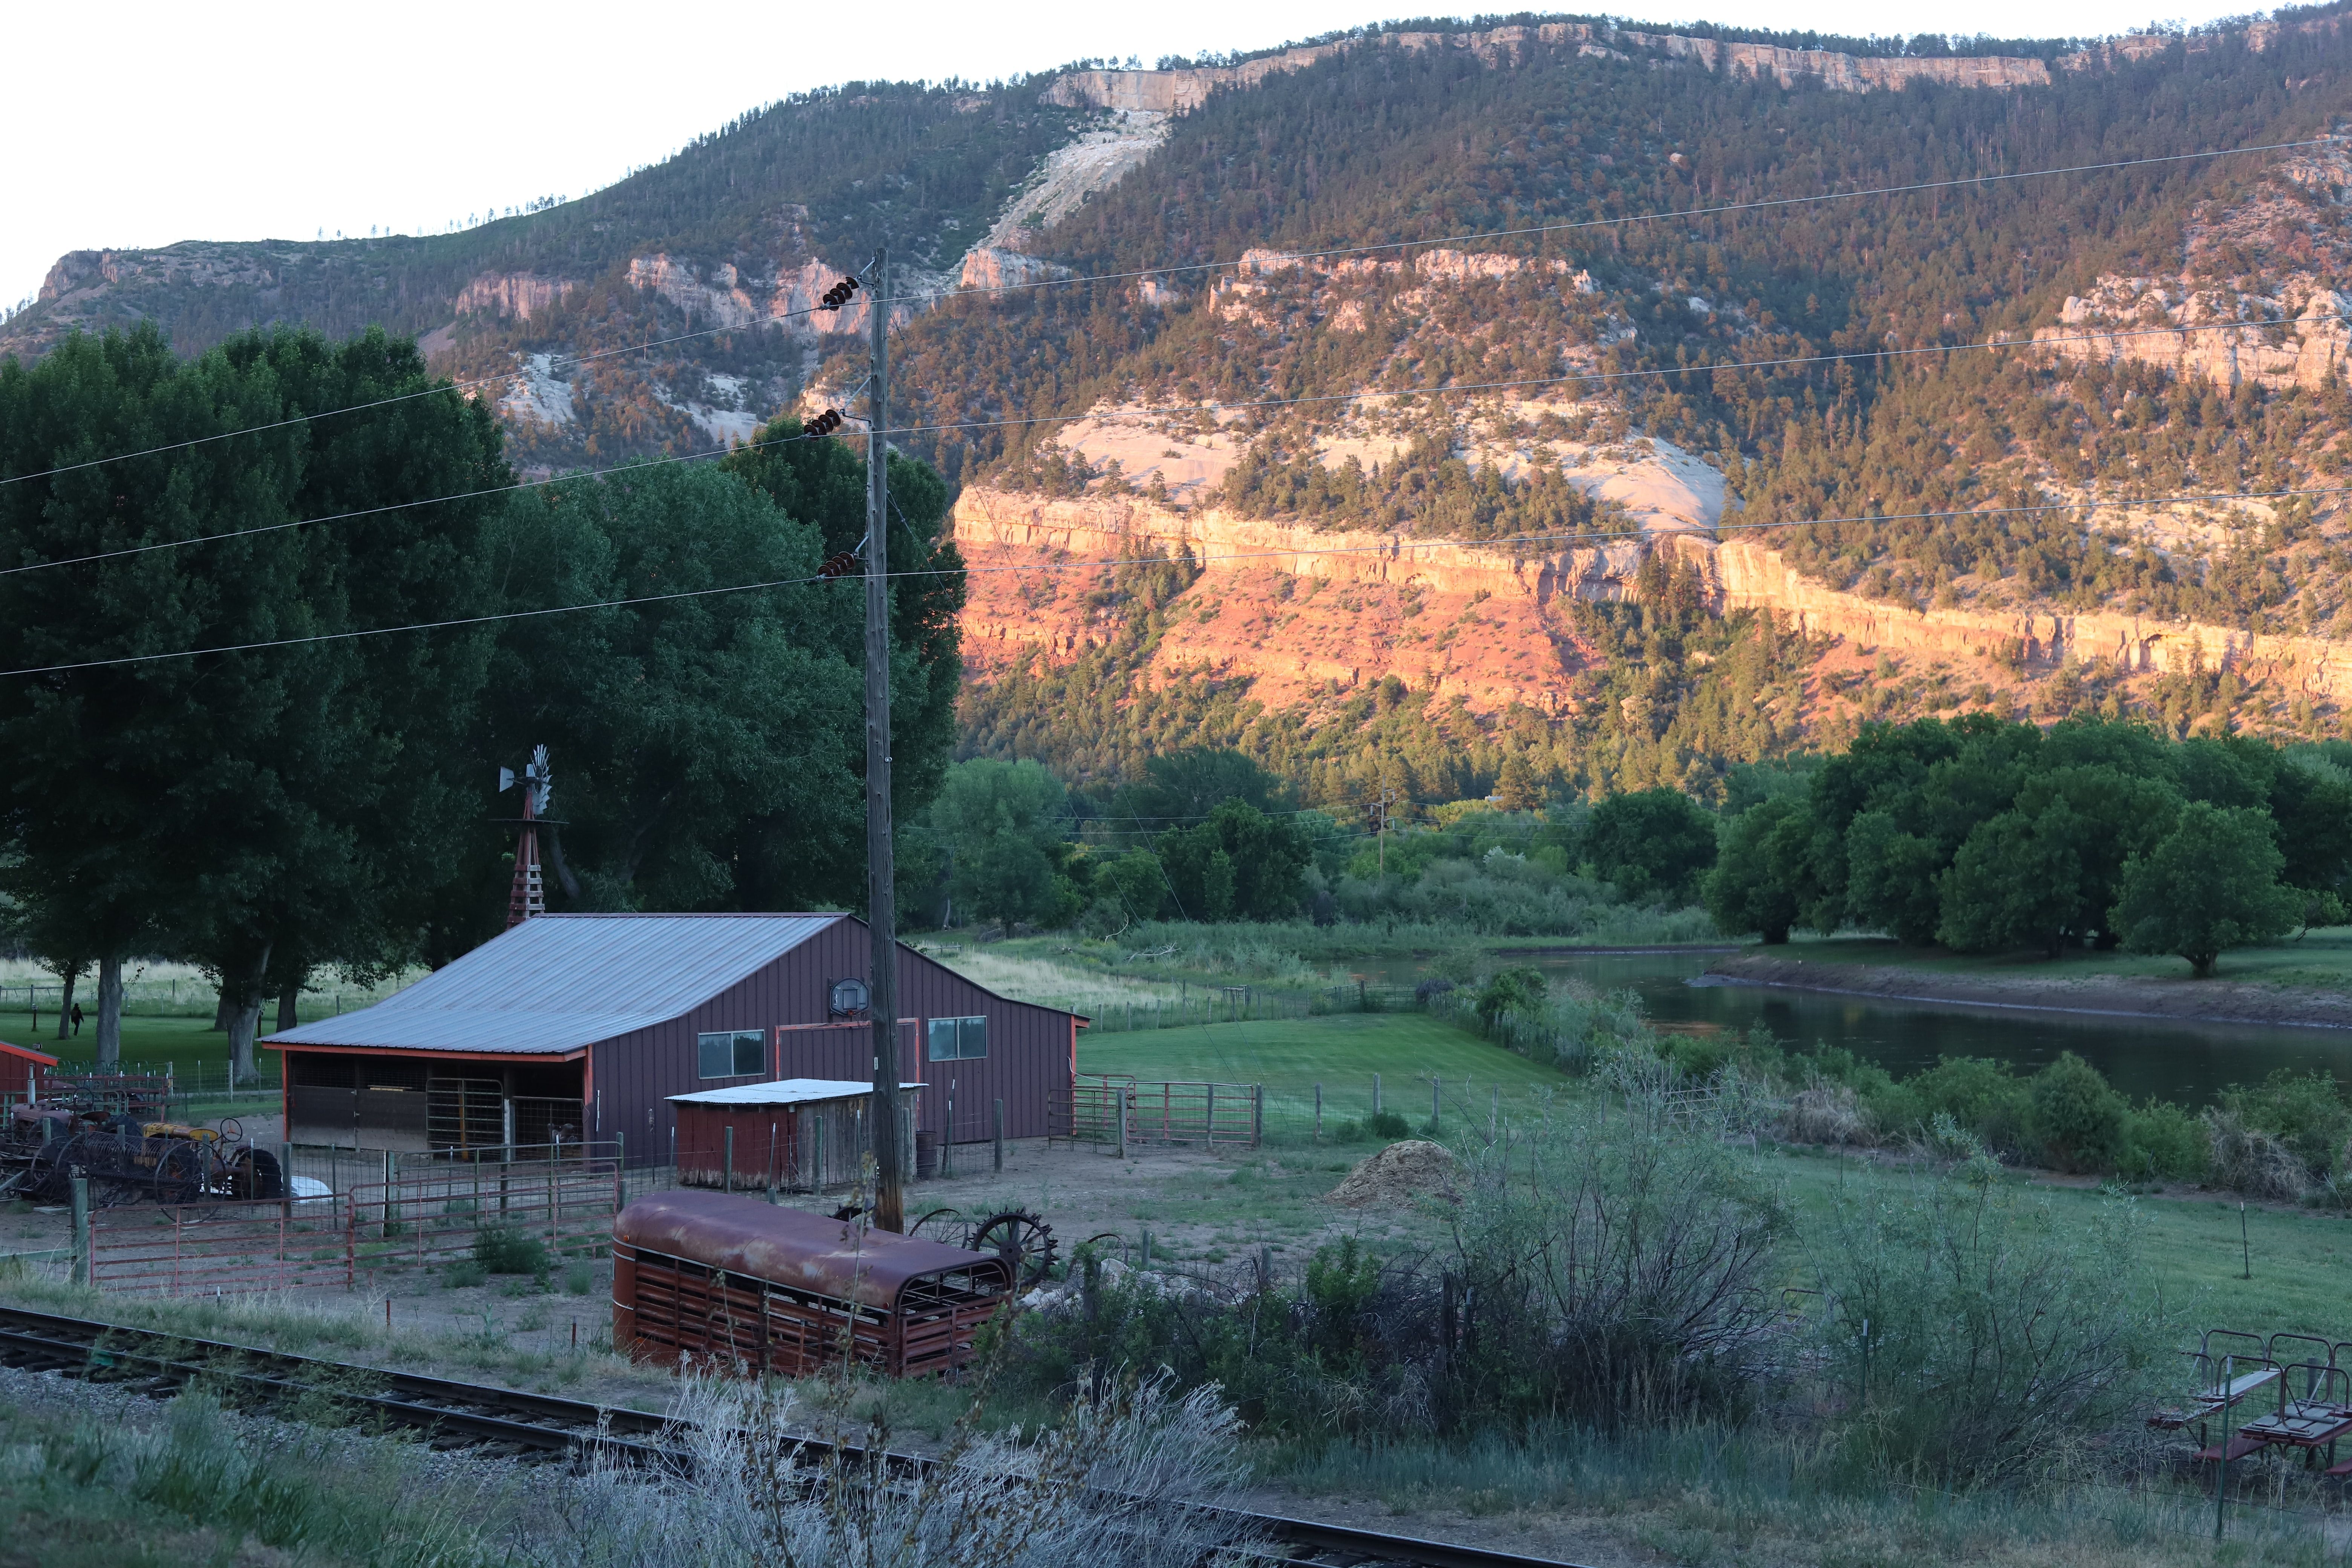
(2186, 1062)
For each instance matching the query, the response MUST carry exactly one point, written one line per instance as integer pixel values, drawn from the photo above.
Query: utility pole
(881, 904)
(1377, 814)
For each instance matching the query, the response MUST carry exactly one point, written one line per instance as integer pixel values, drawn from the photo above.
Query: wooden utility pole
(881, 904)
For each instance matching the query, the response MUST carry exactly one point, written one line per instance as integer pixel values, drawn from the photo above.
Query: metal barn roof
(559, 982)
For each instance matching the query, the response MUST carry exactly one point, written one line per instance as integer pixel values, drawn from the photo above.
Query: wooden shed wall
(1030, 1055)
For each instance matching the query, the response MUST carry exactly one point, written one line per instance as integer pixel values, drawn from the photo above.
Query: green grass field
(2302, 1259)
(146, 1041)
(2322, 959)
(1412, 1053)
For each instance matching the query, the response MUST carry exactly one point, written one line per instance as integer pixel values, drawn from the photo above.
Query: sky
(145, 124)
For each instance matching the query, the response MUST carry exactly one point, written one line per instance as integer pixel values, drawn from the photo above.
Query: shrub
(1389, 1124)
(1981, 1334)
(579, 1277)
(2304, 1111)
(509, 1251)
(1511, 991)
(464, 1274)
(2078, 1120)
(2161, 1140)
(2250, 1160)
(1982, 1095)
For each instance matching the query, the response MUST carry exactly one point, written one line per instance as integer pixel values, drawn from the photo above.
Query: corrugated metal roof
(783, 1092)
(562, 982)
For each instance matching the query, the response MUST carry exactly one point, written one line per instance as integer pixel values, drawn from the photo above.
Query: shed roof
(29, 1054)
(783, 1092)
(559, 982)
(750, 1238)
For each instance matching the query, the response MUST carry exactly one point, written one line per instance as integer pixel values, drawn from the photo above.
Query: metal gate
(1111, 1109)
(463, 1114)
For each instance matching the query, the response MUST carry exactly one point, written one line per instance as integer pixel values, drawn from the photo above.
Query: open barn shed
(582, 1028)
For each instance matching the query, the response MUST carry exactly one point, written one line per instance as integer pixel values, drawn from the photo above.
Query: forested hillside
(1459, 399)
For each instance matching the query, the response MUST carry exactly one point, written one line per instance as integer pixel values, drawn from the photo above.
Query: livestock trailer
(712, 1279)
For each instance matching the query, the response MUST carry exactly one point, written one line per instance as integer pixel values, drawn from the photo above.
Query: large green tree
(293, 792)
(2210, 886)
(1004, 830)
(1653, 842)
(706, 747)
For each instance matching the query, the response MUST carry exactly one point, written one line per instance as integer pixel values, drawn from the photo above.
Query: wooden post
(285, 1180)
(1436, 1099)
(1258, 1114)
(78, 1186)
(1120, 1091)
(947, 1134)
(999, 1135)
(391, 1206)
(1319, 1114)
(726, 1169)
(1376, 1094)
(771, 1163)
(816, 1163)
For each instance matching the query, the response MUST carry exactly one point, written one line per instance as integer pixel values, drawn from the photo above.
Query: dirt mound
(1398, 1176)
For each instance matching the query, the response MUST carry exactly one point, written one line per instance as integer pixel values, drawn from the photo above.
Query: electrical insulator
(838, 295)
(824, 424)
(840, 565)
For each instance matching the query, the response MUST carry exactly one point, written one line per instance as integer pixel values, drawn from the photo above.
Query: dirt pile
(1396, 1176)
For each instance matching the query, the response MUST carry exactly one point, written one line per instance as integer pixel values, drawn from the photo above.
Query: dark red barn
(577, 1027)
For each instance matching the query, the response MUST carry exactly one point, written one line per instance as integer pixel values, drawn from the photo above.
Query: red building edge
(615, 1090)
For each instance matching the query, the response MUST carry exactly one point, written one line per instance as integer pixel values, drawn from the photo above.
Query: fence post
(285, 1180)
(816, 1164)
(947, 1132)
(771, 1163)
(999, 1135)
(78, 1186)
(1258, 1114)
(1120, 1092)
(1319, 1114)
(1436, 1099)
(554, 1210)
(727, 1167)
(1376, 1094)
(390, 1204)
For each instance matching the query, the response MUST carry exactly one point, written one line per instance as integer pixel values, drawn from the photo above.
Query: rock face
(1301, 611)
(1177, 91)
(520, 295)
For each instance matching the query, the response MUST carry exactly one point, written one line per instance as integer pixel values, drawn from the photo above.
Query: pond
(2187, 1063)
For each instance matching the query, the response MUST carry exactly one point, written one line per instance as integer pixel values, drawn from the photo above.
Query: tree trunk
(109, 1012)
(242, 1026)
(285, 1000)
(65, 1000)
(222, 1011)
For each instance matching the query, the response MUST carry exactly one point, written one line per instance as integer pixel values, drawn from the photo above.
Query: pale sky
(141, 124)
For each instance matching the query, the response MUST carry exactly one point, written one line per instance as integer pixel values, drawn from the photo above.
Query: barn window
(958, 1040)
(732, 1053)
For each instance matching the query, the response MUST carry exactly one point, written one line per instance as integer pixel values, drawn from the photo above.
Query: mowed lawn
(1413, 1055)
(2321, 959)
(146, 1041)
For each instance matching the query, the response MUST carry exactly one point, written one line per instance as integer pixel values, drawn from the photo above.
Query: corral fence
(425, 1217)
(1113, 1111)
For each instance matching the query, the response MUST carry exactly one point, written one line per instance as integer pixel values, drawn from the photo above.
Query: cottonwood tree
(708, 749)
(2210, 886)
(247, 788)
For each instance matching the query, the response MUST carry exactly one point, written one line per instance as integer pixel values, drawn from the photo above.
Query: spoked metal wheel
(1023, 1239)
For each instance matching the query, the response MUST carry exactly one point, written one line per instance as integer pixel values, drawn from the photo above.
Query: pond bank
(2215, 1001)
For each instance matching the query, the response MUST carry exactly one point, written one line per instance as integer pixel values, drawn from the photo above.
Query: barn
(577, 1027)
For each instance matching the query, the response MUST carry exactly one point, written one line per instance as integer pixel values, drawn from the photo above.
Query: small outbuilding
(570, 1028)
(732, 1282)
(21, 1068)
(795, 1134)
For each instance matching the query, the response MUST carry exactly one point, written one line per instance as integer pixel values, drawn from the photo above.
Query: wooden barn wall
(1028, 1061)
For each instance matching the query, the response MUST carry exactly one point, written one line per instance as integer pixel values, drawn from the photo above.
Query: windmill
(529, 896)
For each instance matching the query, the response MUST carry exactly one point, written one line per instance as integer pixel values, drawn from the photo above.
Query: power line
(1757, 204)
(387, 401)
(1720, 209)
(1391, 549)
(1139, 413)
(1580, 376)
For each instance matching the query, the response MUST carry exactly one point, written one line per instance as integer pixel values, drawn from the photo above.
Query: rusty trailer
(703, 1279)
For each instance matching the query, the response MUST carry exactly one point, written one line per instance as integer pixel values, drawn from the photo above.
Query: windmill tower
(528, 895)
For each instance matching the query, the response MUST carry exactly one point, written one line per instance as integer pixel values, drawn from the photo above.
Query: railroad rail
(511, 1424)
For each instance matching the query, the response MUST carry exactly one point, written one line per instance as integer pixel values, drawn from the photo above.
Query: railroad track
(509, 1423)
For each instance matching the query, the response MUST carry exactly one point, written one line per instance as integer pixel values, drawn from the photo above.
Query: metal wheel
(949, 1221)
(1023, 1239)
